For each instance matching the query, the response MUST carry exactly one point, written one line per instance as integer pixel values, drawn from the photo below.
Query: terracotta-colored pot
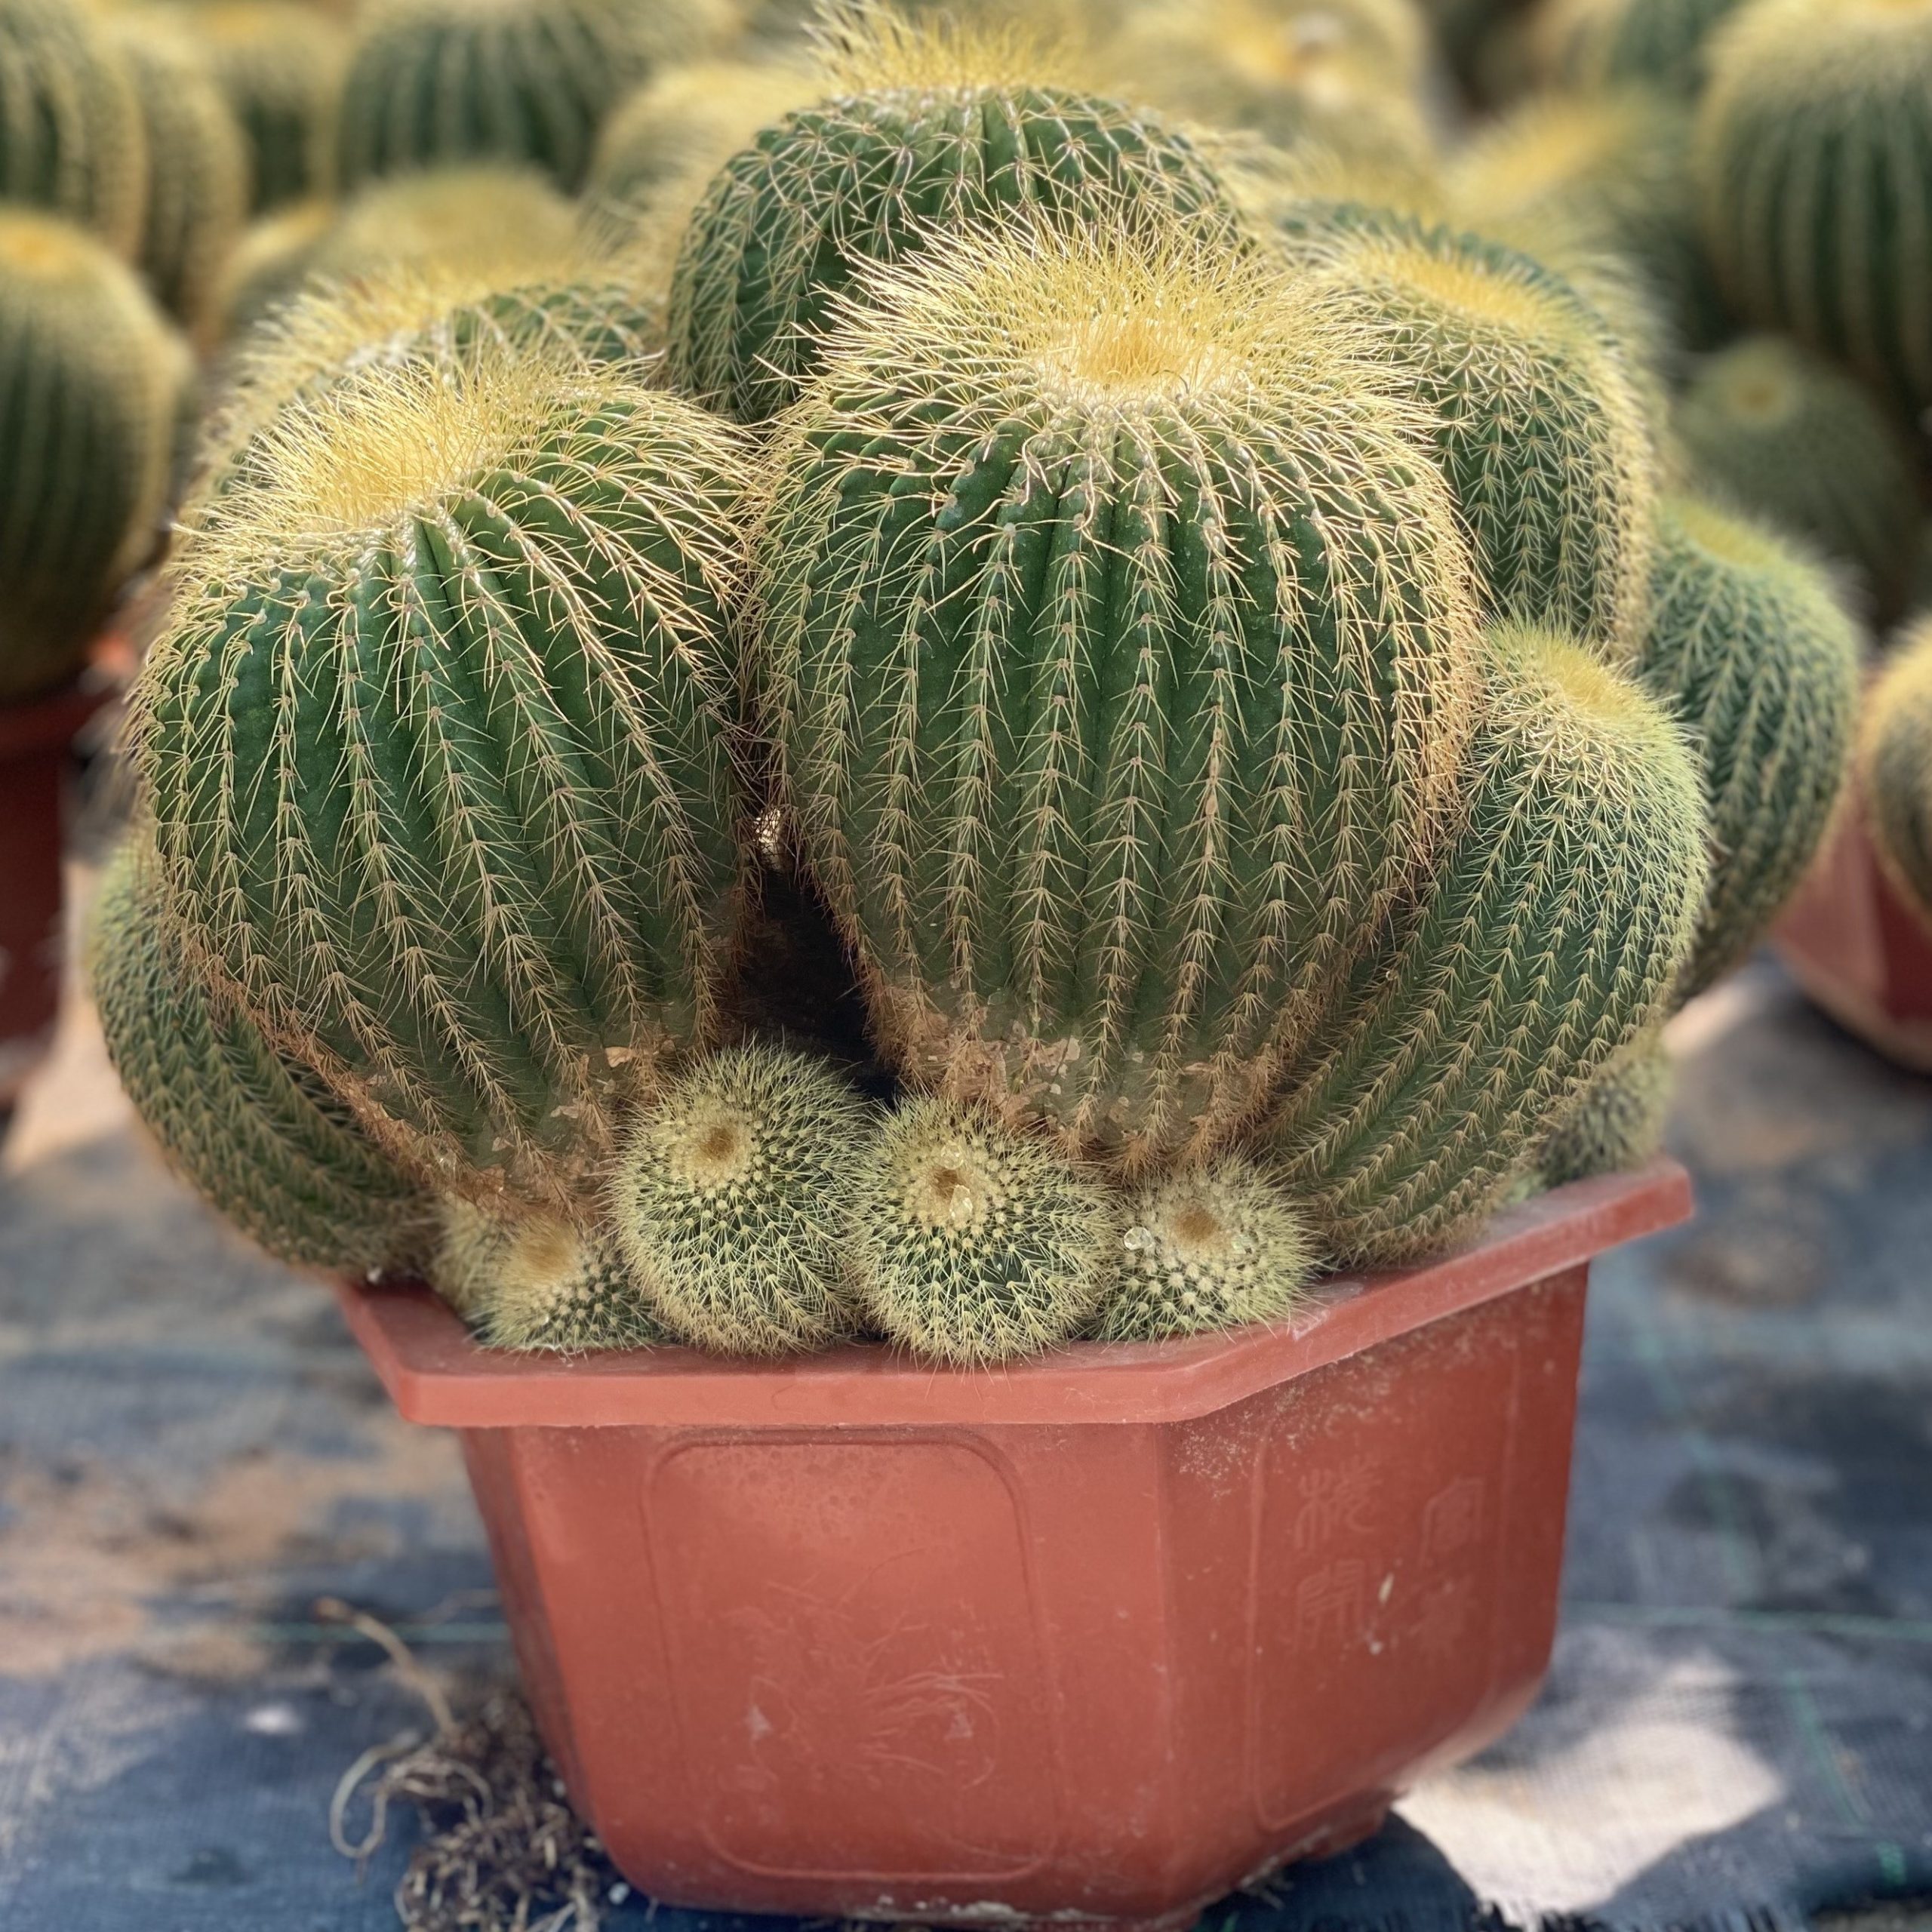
(34, 741)
(1858, 949)
(1093, 1638)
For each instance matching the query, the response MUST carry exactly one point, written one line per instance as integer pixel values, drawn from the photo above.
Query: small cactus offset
(969, 1243)
(431, 82)
(255, 1132)
(1538, 422)
(728, 1201)
(436, 738)
(1786, 436)
(1545, 943)
(562, 1288)
(1208, 1247)
(1619, 1123)
(93, 384)
(1895, 768)
(1598, 43)
(1750, 649)
(1118, 656)
(928, 131)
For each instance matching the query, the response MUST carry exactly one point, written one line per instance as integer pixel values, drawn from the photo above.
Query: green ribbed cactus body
(1818, 200)
(559, 1287)
(436, 741)
(790, 222)
(1750, 649)
(431, 82)
(70, 125)
(1539, 422)
(198, 173)
(1594, 43)
(1895, 767)
(280, 64)
(256, 1133)
(1619, 1123)
(93, 385)
(1786, 436)
(1118, 656)
(1544, 943)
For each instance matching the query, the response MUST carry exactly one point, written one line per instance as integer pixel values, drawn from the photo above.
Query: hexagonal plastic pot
(1093, 1639)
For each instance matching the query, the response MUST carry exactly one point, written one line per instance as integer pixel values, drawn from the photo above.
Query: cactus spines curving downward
(436, 737)
(280, 64)
(256, 1133)
(728, 1200)
(1207, 1247)
(93, 384)
(1619, 1123)
(1595, 43)
(929, 129)
(431, 82)
(1750, 649)
(70, 124)
(1118, 654)
(1544, 943)
(1539, 421)
(1895, 768)
(970, 1244)
(1817, 198)
(560, 1287)
(1788, 437)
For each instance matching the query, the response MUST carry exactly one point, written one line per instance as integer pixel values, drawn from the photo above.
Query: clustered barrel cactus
(1221, 659)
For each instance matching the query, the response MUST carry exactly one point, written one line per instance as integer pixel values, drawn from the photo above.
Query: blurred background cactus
(1895, 769)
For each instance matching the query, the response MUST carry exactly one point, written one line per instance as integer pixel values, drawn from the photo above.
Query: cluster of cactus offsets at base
(1751, 649)
(924, 133)
(563, 1287)
(1619, 1123)
(254, 1131)
(728, 1198)
(1598, 43)
(1557, 918)
(1119, 658)
(93, 384)
(1895, 768)
(436, 741)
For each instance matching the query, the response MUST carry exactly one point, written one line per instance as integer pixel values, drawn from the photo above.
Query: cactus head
(269, 264)
(255, 1132)
(1600, 43)
(1619, 1123)
(1118, 654)
(503, 222)
(1209, 1247)
(466, 1255)
(465, 634)
(930, 129)
(560, 1287)
(1749, 647)
(1895, 768)
(727, 1201)
(970, 1244)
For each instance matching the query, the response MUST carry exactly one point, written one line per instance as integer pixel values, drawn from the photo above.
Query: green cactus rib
(728, 1201)
(1118, 653)
(969, 1243)
(1597, 43)
(1814, 154)
(537, 1284)
(1545, 943)
(1751, 649)
(1539, 422)
(92, 386)
(1786, 436)
(1619, 1123)
(436, 737)
(255, 1132)
(1895, 768)
(434, 81)
(70, 124)
(1207, 1248)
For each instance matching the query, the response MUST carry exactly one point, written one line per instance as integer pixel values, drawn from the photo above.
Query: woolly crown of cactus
(927, 129)
(1895, 767)
(436, 737)
(1118, 656)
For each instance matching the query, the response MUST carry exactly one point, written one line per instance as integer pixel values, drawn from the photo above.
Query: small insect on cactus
(1209, 1247)
(970, 1244)
(436, 738)
(728, 1201)
(1816, 199)
(1618, 1123)
(1538, 420)
(542, 1283)
(1595, 43)
(1544, 941)
(70, 123)
(1750, 647)
(431, 82)
(928, 129)
(93, 384)
(1118, 655)
(254, 1132)
(1895, 768)
(1788, 437)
